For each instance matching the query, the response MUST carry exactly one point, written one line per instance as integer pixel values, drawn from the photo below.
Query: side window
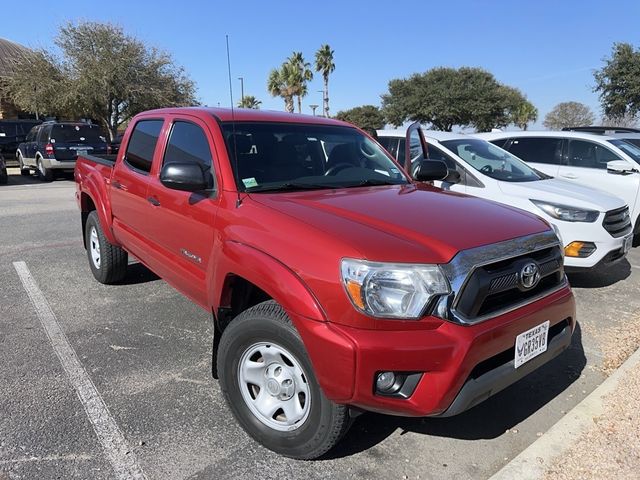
(142, 144)
(436, 154)
(31, 136)
(538, 150)
(587, 154)
(188, 143)
(390, 144)
(43, 134)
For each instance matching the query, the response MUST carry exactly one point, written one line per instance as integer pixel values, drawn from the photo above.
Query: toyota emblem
(529, 275)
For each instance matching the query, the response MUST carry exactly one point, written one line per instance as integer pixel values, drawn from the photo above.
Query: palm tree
(525, 113)
(249, 101)
(302, 76)
(325, 65)
(281, 83)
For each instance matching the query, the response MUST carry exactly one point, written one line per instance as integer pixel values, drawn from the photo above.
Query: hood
(404, 223)
(563, 192)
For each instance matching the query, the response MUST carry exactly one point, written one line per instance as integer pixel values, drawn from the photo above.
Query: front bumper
(446, 355)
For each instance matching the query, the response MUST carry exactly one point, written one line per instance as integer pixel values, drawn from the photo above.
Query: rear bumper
(53, 164)
(346, 360)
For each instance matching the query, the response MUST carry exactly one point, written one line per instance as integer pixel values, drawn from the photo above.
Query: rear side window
(538, 150)
(188, 143)
(142, 144)
(589, 154)
(43, 135)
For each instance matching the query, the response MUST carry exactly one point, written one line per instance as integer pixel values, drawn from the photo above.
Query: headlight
(390, 290)
(567, 213)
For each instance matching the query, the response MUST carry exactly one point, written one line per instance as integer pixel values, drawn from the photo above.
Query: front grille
(617, 222)
(497, 286)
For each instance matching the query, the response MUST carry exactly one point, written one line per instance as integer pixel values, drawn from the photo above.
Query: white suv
(599, 161)
(594, 226)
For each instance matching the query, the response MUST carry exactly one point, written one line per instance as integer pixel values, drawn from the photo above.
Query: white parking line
(634, 266)
(115, 446)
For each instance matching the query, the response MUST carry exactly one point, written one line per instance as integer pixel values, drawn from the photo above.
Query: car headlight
(390, 290)
(566, 213)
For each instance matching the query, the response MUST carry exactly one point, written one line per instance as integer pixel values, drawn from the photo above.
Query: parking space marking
(115, 446)
(634, 266)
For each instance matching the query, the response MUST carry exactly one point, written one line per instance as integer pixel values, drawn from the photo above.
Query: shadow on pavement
(601, 277)
(16, 179)
(488, 420)
(137, 273)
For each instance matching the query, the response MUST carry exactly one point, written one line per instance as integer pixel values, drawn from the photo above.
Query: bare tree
(569, 114)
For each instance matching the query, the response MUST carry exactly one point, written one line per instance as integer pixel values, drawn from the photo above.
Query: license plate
(627, 244)
(531, 343)
(82, 152)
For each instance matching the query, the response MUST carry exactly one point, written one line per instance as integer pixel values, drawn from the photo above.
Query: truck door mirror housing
(188, 177)
(619, 167)
(430, 170)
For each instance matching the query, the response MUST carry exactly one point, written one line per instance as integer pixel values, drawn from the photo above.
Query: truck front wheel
(108, 262)
(268, 382)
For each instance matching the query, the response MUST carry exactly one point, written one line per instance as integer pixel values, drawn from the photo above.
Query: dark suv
(12, 132)
(54, 146)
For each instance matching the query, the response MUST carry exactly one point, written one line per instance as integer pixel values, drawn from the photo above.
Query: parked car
(594, 226)
(631, 135)
(12, 132)
(54, 146)
(114, 146)
(600, 161)
(300, 236)
(4, 177)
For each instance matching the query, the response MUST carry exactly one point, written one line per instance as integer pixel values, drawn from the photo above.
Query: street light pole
(241, 89)
(313, 109)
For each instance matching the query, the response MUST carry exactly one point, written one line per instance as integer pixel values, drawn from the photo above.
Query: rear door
(542, 153)
(181, 224)
(129, 183)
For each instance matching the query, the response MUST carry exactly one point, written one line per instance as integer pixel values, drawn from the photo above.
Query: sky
(547, 49)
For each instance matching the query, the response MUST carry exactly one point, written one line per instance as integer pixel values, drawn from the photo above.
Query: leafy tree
(302, 75)
(627, 120)
(326, 66)
(103, 74)
(523, 114)
(282, 83)
(249, 101)
(367, 117)
(568, 114)
(446, 97)
(618, 82)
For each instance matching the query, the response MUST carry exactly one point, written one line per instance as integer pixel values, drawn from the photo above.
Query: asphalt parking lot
(147, 351)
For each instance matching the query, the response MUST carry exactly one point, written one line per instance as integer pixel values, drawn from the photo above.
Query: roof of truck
(251, 115)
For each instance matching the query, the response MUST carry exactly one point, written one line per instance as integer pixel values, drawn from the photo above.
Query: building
(9, 51)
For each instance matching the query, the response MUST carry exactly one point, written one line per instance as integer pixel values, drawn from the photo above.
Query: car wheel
(24, 171)
(45, 174)
(269, 384)
(4, 176)
(108, 262)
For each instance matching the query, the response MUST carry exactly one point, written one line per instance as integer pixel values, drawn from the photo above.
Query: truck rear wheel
(108, 262)
(269, 384)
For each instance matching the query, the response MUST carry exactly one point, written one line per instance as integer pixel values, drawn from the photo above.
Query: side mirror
(430, 170)
(188, 177)
(619, 167)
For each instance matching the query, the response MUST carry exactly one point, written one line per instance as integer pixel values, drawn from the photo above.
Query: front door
(181, 224)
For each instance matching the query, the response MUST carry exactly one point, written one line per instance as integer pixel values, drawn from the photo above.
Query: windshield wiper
(289, 186)
(372, 182)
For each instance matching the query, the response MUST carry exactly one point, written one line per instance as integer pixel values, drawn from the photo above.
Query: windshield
(279, 156)
(629, 148)
(493, 161)
(62, 133)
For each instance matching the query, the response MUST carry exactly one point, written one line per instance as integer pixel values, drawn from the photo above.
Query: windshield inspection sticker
(249, 182)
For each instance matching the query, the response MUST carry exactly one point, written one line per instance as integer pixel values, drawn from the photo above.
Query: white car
(594, 226)
(608, 163)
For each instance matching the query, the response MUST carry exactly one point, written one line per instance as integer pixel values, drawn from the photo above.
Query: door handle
(153, 201)
(569, 175)
(118, 185)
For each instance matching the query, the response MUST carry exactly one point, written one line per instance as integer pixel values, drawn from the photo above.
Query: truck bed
(104, 159)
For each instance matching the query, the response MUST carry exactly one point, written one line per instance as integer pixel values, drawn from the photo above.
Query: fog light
(579, 249)
(385, 381)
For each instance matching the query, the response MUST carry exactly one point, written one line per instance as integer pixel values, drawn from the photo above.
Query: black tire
(112, 264)
(45, 174)
(24, 171)
(4, 177)
(326, 421)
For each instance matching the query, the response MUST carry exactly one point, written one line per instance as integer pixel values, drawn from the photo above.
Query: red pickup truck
(336, 283)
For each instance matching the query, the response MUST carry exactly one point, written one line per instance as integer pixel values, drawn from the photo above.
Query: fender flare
(268, 274)
(96, 190)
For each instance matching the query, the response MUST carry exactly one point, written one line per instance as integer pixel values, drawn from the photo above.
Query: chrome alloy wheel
(94, 247)
(274, 386)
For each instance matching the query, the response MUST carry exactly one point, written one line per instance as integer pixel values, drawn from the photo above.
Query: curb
(534, 461)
